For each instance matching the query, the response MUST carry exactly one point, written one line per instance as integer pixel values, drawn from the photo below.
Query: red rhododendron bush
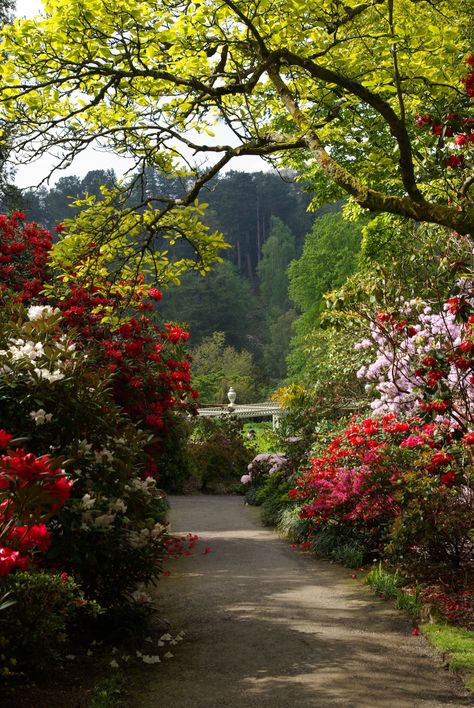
(92, 387)
(406, 489)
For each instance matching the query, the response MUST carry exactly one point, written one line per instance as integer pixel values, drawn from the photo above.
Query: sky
(31, 174)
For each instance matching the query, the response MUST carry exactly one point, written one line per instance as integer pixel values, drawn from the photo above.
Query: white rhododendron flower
(41, 417)
(40, 312)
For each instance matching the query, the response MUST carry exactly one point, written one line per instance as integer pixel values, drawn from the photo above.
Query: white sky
(31, 174)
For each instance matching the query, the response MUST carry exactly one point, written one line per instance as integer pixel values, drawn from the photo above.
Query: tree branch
(396, 125)
(462, 222)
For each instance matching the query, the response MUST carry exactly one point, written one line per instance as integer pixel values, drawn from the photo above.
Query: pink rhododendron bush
(424, 358)
(91, 387)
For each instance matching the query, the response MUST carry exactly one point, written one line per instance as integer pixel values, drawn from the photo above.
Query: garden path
(269, 627)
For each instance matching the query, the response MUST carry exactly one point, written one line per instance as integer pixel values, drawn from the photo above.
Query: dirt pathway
(269, 628)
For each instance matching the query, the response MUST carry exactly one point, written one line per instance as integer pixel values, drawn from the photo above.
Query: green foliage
(323, 359)
(335, 91)
(219, 453)
(434, 520)
(221, 302)
(108, 693)
(277, 253)
(398, 259)
(341, 544)
(108, 232)
(304, 425)
(243, 205)
(272, 497)
(291, 526)
(325, 362)
(174, 468)
(457, 643)
(392, 586)
(384, 583)
(217, 367)
(264, 439)
(330, 255)
(35, 628)
(276, 345)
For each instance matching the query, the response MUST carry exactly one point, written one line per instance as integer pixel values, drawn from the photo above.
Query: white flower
(141, 597)
(157, 530)
(87, 502)
(41, 312)
(47, 375)
(118, 506)
(168, 655)
(83, 447)
(19, 349)
(104, 521)
(40, 416)
(103, 455)
(114, 664)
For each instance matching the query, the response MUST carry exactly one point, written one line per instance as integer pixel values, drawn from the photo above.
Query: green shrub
(342, 544)
(273, 497)
(34, 628)
(291, 526)
(218, 453)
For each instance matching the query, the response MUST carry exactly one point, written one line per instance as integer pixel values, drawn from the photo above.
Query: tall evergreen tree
(278, 251)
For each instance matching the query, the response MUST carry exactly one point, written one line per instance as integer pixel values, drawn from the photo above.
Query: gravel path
(268, 627)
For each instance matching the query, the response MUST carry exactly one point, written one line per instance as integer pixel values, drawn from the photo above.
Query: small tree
(216, 367)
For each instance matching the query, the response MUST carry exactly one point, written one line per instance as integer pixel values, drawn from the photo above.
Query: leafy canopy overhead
(331, 88)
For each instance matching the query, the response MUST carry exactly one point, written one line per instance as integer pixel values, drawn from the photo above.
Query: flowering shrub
(24, 252)
(405, 487)
(87, 372)
(425, 358)
(453, 131)
(147, 363)
(265, 463)
(35, 627)
(31, 490)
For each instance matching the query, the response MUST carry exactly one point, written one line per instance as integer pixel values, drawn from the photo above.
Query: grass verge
(454, 643)
(458, 646)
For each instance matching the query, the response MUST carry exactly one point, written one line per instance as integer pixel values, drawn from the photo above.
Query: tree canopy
(334, 89)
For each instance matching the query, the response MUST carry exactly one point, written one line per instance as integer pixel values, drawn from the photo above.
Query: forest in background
(250, 317)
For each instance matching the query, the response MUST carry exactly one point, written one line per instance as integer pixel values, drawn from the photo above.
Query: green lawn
(457, 643)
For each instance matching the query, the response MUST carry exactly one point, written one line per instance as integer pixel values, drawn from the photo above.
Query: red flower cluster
(351, 481)
(24, 252)
(453, 124)
(151, 371)
(47, 489)
(469, 80)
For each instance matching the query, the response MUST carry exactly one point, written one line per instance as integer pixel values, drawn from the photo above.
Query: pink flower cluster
(424, 358)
